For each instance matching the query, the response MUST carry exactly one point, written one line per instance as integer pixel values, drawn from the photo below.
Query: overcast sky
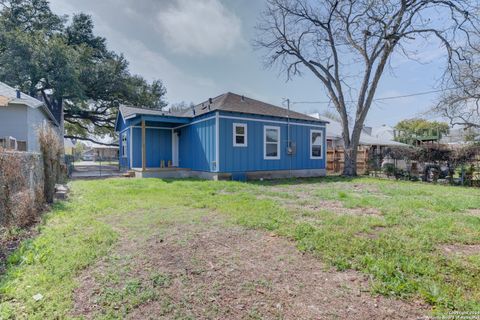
(202, 48)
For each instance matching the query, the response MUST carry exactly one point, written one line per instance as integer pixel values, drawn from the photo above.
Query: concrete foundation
(253, 175)
(282, 174)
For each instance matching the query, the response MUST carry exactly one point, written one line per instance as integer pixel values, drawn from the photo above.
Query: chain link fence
(438, 164)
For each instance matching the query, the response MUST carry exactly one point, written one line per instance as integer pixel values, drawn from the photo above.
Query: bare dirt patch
(306, 202)
(474, 212)
(209, 271)
(374, 234)
(337, 207)
(461, 249)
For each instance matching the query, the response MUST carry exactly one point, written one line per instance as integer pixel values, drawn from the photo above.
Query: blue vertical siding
(158, 147)
(197, 146)
(251, 158)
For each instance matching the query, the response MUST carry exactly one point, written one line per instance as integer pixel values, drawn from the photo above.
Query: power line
(378, 99)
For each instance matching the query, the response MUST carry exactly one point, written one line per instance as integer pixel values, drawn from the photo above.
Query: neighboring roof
(8, 95)
(226, 102)
(67, 143)
(383, 132)
(25, 99)
(334, 131)
(458, 135)
(4, 101)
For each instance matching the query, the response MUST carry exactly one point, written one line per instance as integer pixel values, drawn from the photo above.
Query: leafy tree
(346, 46)
(70, 68)
(410, 130)
(181, 106)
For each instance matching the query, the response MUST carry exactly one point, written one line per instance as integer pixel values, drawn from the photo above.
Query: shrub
(19, 199)
(11, 181)
(389, 169)
(52, 152)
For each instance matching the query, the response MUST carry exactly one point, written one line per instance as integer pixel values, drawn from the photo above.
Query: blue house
(227, 137)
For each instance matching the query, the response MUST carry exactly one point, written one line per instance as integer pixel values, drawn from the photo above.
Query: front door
(175, 149)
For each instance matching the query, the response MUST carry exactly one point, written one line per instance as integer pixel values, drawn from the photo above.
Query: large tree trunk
(350, 163)
(351, 151)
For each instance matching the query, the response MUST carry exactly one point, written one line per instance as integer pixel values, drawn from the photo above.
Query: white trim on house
(237, 118)
(244, 134)
(274, 121)
(123, 135)
(265, 128)
(217, 142)
(322, 143)
(195, 122)
(127, 128)
(160, 128)
(175, 146)
(171, 132)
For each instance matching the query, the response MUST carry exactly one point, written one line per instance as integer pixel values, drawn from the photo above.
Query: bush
(19, 199)
(54, 167)
(389, 169)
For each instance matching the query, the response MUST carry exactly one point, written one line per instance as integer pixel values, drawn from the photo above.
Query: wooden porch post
(144, 153)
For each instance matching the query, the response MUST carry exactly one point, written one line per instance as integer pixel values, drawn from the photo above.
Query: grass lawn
(414, 241)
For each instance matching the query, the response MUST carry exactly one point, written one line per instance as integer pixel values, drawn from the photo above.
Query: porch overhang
(158, 119)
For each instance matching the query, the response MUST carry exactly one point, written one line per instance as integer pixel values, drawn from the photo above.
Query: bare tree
(347, 44)
(460, 102)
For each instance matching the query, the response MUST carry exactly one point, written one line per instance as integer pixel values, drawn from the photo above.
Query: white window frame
(245, 134)
(124, 145)
(265, 128)
(322, 145)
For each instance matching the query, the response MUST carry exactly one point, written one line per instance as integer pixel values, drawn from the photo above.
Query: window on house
(271, 138)
(239, 135)
(22, 145)
(316, 144)
(124, 144)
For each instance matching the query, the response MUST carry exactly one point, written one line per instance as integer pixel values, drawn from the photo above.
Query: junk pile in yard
(455, 165)
(61, 192)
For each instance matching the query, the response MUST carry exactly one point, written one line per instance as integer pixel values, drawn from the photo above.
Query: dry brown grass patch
(461, 249)
(234, 273)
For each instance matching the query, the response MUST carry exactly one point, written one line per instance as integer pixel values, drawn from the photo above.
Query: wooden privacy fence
(336, 160)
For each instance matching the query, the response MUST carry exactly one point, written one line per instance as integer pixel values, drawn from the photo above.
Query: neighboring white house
(368, 138)
(20, 118)
(458, 136)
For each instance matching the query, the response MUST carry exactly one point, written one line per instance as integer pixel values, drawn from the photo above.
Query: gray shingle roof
(9, 93)
(226, 102)
(236, 103)
(25, 99)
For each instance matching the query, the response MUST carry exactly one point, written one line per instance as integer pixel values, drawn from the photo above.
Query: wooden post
(144, 153)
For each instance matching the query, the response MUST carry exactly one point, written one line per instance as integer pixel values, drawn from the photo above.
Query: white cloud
(153, 65)
(144, 59)
(203, 27)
